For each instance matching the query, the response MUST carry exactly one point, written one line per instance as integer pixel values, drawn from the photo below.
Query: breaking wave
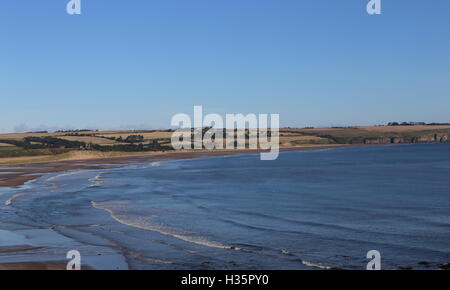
(96, 181)
(56, 177)
(119, 213)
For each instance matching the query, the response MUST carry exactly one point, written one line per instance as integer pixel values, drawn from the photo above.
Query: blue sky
(136, 63)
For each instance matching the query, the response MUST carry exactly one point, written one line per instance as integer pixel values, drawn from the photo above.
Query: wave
(13, 198)
(52, 186)
(145, 223)
(96, 181)
(312, 224)
(150, 165)
(255, 249)
(53, 178)
(155, 164)
(315, 265)
(138, 166)
(23, 188)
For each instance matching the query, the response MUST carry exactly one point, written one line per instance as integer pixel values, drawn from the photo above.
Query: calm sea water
(307, 210)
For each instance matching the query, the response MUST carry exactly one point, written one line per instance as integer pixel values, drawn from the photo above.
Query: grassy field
(98, 144)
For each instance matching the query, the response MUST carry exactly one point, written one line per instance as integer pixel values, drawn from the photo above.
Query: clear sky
(124, 64)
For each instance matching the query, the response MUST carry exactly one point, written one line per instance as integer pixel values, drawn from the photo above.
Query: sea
(320, 209)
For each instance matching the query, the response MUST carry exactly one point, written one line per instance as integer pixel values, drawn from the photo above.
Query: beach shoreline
(27, 247)
(17, 174)
(20, 173)
(35, 266)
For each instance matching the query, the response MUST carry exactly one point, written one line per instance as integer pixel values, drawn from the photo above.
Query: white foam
(53, 178)
(314, 265)
(144, 223)
(14, 197)
(96, 180)
(151, 164)
(155, 164)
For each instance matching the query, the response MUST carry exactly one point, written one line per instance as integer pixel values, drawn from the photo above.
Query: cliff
(430, 138)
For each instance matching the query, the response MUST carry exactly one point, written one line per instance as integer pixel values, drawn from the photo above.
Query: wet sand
(34, 266)
(28, 265)
(45, 248)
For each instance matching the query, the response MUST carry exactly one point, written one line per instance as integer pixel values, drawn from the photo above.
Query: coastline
(17, 174)
(27, 248)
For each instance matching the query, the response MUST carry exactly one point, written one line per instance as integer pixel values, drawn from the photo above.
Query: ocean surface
(307, 210)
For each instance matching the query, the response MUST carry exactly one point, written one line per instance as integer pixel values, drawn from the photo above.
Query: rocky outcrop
(385, 140)
(433, 138)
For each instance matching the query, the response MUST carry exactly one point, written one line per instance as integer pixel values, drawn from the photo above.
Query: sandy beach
(34, 266)
(16, 174)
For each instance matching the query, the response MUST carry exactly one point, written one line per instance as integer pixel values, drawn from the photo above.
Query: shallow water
(312, 209)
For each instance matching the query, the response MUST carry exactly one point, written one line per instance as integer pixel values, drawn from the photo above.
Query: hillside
(44, 146)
